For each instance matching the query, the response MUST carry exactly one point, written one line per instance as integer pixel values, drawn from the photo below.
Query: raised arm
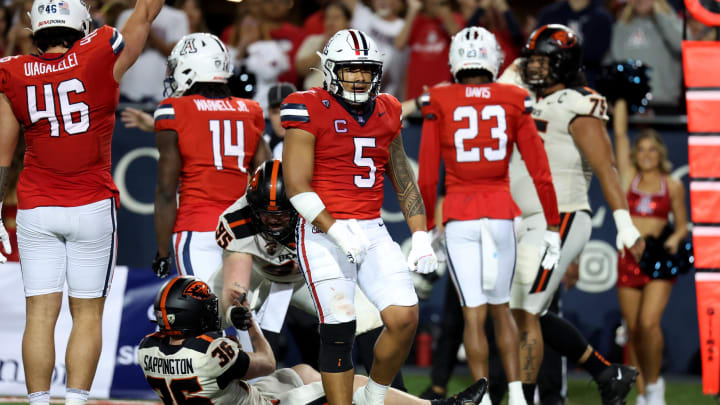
(169, 165)
(402, 38)
(135, 31)
(262, 360)
(622, 144)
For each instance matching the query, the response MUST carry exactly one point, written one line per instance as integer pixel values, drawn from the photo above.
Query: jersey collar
(361, 116)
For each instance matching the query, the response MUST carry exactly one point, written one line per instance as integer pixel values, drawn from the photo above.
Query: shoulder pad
(235, 223)
(199, 343)
(165, 110)
(585, 102)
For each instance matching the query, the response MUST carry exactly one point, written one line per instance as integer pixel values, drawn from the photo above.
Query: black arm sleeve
(236, 371)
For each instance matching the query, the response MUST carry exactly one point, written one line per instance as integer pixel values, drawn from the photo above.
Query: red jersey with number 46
(66, 104)
(351, 150)
(473, 128)
(217, 138)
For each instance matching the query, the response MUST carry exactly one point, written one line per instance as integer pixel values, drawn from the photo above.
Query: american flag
(64, 8)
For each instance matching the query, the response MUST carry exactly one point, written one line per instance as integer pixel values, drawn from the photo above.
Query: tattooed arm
(403, 180)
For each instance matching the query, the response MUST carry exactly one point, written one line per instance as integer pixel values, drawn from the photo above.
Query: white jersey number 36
(471, 132)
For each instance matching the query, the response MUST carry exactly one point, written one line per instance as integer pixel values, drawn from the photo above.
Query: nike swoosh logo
(381, 114)
(619, 376)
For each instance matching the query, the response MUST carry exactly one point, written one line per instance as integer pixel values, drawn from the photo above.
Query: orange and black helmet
(562, 46)
(185, 306)
(272, 212)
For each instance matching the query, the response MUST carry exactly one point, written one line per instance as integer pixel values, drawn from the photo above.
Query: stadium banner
(12, 302)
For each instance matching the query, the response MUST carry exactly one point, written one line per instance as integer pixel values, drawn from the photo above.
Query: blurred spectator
(383, 24)
(307, 60)
(315, 22)
(496, 16)
(195, 15)
(19, 41)
(143, 82)
(650, 31)
(589, 19)
(697, 31)
(275, 133)
(5, 23)
(111, 10)
(256, 53)
(428, 26)
(273, 19)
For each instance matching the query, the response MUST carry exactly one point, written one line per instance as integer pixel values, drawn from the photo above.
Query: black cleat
(615, 383)
(429, 393)
(471, 396)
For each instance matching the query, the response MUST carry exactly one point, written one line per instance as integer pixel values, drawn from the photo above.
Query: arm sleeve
(533, 153)
(429, 161)
(670, 28)
(164, 116)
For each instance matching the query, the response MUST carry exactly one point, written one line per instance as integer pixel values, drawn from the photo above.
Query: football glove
(552, 250)
(422, 257)
(627, 232)
(351, 239)
(161, 266)
(240, 317)
(5, 240)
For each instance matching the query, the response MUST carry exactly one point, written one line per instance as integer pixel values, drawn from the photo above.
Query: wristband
(308, 204)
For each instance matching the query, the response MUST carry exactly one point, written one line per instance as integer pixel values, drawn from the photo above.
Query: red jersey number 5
(361, 161)
(75, 116)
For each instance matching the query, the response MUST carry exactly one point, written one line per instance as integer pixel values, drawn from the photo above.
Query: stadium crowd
(271, 49)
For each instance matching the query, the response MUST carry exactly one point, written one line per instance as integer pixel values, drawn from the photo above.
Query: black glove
(161, 266)
(240, 317)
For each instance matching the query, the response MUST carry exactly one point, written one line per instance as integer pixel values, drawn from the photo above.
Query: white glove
(422, 256)
(5, 240)
(351, 239)
(552, 251)
(627, 233)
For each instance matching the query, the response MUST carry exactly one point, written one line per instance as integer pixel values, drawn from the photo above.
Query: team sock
(39, 398)
(75, 396)
(529, 392)
(595, 364)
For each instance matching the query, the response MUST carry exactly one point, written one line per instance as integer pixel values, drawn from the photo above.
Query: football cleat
(471, 396)
(615, 383)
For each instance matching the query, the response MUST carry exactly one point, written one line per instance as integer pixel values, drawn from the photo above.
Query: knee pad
(336, 344)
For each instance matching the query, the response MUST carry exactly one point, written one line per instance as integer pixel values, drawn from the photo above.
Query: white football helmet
(196, 58)
(345, 48)
(475, 48)
(60, 13)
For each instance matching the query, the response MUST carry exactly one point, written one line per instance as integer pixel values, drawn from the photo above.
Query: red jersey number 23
(472, 131)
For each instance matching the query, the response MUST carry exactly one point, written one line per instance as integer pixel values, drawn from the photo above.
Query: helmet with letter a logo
(351, 49)
(196, 58)
(72, 14)
(475, 48)
(185, 306)
(562, 47)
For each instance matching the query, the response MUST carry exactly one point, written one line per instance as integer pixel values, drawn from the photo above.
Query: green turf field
(580, 391)
(584, 392)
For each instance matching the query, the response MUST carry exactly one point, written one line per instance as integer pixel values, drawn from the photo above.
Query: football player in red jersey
(340, 141)
(208, 141)
(473, 124)
(65, 99)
